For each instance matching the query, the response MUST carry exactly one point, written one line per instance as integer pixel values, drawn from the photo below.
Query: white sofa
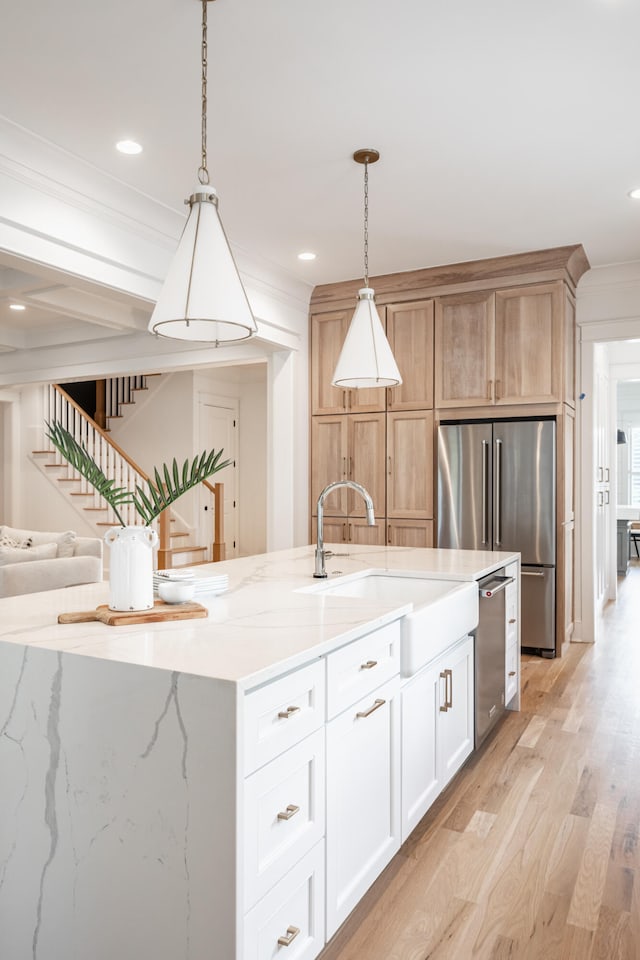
(81, 562)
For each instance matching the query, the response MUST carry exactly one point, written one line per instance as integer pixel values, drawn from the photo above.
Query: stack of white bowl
(180, 586)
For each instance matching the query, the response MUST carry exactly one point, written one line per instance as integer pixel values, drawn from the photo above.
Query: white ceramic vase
(131, 567)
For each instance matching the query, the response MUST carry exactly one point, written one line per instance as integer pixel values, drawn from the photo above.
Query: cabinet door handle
(344, 468)
(369, 665)
(447, 676)
(512, 673)
(344, 533)
(498, 390)
(600, 475)
(289, 812)
(376, 706)
(351, 467)
(344, 399)
(512, 620)
(348, 533)
(606, 493)
(607, 474)
(289, 937)
(444, 707)
(289, 712)
(389, 534)
(600, 498)
(389, 465)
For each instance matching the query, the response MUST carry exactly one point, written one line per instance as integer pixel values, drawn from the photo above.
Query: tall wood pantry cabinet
(479, 340)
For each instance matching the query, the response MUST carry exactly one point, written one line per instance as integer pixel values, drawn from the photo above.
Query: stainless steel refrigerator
(497, 491)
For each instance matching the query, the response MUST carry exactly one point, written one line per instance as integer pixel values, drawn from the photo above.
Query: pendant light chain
(203, 173)
(366, 224)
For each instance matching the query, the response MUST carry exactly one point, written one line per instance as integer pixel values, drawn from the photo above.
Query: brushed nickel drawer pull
(376, 706)
(285, 714)
(444, 707)
(369, 665)
(289, 937)
(289, 812)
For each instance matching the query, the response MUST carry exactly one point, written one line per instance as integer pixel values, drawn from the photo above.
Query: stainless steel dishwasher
(489, 654)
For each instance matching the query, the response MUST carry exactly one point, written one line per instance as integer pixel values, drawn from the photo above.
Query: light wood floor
(532, 852)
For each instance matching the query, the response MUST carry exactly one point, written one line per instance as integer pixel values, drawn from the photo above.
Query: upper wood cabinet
(410, 334)
(328, 331)
(464, 350)
(502, 348)
(529, 344)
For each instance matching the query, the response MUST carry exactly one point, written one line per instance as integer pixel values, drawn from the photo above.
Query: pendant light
(366, 359)
(203, 298)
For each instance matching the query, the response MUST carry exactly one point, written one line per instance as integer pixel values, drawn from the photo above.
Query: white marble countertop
(258, 628)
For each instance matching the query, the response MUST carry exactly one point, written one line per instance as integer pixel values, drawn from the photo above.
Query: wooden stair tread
(68, 479)
(173, 550)
(79, 494)
(99, 509)
(43, 451)
(56, 466)
(179, 533)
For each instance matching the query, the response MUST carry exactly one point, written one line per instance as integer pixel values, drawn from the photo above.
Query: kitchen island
(166, 789)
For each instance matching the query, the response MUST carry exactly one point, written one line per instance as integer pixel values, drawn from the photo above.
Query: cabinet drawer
(292, 911)
(284, 812)
(282, 713)
(511, 672)
(357, 669)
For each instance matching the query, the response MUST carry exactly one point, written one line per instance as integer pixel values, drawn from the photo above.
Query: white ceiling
(503, 126)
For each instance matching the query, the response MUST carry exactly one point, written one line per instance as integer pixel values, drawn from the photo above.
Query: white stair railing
(114, 463)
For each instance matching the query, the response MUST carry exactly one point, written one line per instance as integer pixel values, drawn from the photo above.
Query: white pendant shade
(203, 298)
(366, 359)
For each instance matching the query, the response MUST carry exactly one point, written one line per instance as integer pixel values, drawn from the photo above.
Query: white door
(218, 428)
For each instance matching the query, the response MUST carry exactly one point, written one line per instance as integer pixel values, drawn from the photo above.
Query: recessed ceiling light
(128, 146)
(16, 306)
(635, 194)
(306, 256)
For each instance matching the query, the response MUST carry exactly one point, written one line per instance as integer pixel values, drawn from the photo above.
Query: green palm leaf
(77, 455)
(171, 482)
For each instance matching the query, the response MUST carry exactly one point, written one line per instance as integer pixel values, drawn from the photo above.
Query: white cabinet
(437, 729)
(512, 639)
(363, 797)
(291, 915)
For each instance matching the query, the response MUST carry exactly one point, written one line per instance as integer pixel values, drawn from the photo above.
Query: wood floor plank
(590, 882)
(533, 851)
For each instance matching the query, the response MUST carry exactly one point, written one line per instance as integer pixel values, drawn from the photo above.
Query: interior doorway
(219, 428)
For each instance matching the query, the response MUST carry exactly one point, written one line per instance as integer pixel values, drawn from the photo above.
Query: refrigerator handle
(485, 488)
(498, 485)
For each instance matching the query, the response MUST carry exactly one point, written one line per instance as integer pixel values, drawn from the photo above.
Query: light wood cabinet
(348, 448)
(529, 344)
(410, 334)
(328, 331)
(410, 465)
(410, 533)
(502, 348)
(464, 350)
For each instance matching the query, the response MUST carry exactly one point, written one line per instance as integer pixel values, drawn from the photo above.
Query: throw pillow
(45, 551)
(6, 541)
(66, 541)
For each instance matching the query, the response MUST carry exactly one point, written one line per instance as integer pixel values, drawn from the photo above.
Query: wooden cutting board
(122, 618)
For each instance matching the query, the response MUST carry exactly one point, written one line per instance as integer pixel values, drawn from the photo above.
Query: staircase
(174, 550)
